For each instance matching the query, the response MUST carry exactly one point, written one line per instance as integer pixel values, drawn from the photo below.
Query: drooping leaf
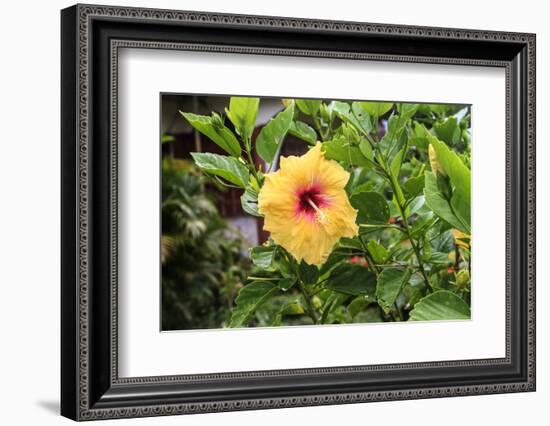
(242, 112)
(263, 256)
(273, 133)
(250, 298)
(228, 168)
(389, 285)
(439, 205)
(308, 106)
(352, 279)
(249, 201)
(372, 208)
(377, 109)
(414, 186)
(453, 166)
(441, 305)
(213, 128)
(303, 131)
(309, 274)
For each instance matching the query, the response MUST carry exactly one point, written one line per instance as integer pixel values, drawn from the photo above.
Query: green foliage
(441, 305)
(242, 113)
(409, 168)
(249, 299)
(228, 168)
(273, 133)
(202, 264)
(213, 128)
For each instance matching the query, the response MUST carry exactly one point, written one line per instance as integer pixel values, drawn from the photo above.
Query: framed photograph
(263, 212)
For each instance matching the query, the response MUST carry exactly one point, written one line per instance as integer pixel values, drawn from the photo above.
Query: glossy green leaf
(242, 112)
(308, 106)
(439, 205)
(352, 279)
(453, 166)
(250, 298)
(228, 168)
(441, 305)
(366, 149)
(372, 208)
(249, 201)
(388, 287)
(345, 113)
(377, 109)
(303, 131)
(341, 150)
(447, 130)
(271, 136)
(216, 131)
(263, 256)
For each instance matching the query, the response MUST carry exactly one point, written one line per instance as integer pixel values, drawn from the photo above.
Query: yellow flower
(305, 206)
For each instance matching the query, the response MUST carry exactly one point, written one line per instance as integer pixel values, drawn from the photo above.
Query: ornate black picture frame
(91, 36)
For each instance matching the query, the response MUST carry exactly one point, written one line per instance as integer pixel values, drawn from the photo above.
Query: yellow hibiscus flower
(305, 206)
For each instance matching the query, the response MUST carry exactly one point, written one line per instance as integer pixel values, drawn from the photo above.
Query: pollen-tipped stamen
(321, 216)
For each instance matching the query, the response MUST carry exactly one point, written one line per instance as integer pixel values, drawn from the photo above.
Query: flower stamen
(321, 216)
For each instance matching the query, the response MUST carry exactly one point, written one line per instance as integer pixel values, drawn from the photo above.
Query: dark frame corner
(90, 37)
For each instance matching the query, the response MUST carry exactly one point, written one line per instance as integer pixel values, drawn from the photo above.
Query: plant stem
(408, 232)
(309, 303)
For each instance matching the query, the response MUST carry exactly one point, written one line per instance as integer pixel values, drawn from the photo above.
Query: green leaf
(372, 208)
(377, 109)
(441, 305)
(287, 283)
(262, 256)
(228, 168)
(395, 167)
(439, 205)
(289, 308)
(242, 113)
(366, 149)
(377, 251)
(352, 280)
(396, 136)
(273, 133)
(447, 130)
(249, 201)
(390, 282)
(414, 186)
(453, 166)
(309, 274)
(250, 298)
(343, 111)
(358, 304)
(303, 131)
(308, 106)
(213, 128)
(362, 116)
(341, 150)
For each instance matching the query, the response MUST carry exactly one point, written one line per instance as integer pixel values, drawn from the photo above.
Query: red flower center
(310, 201)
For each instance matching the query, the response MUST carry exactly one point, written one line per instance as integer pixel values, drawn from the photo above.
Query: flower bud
(436, 167)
